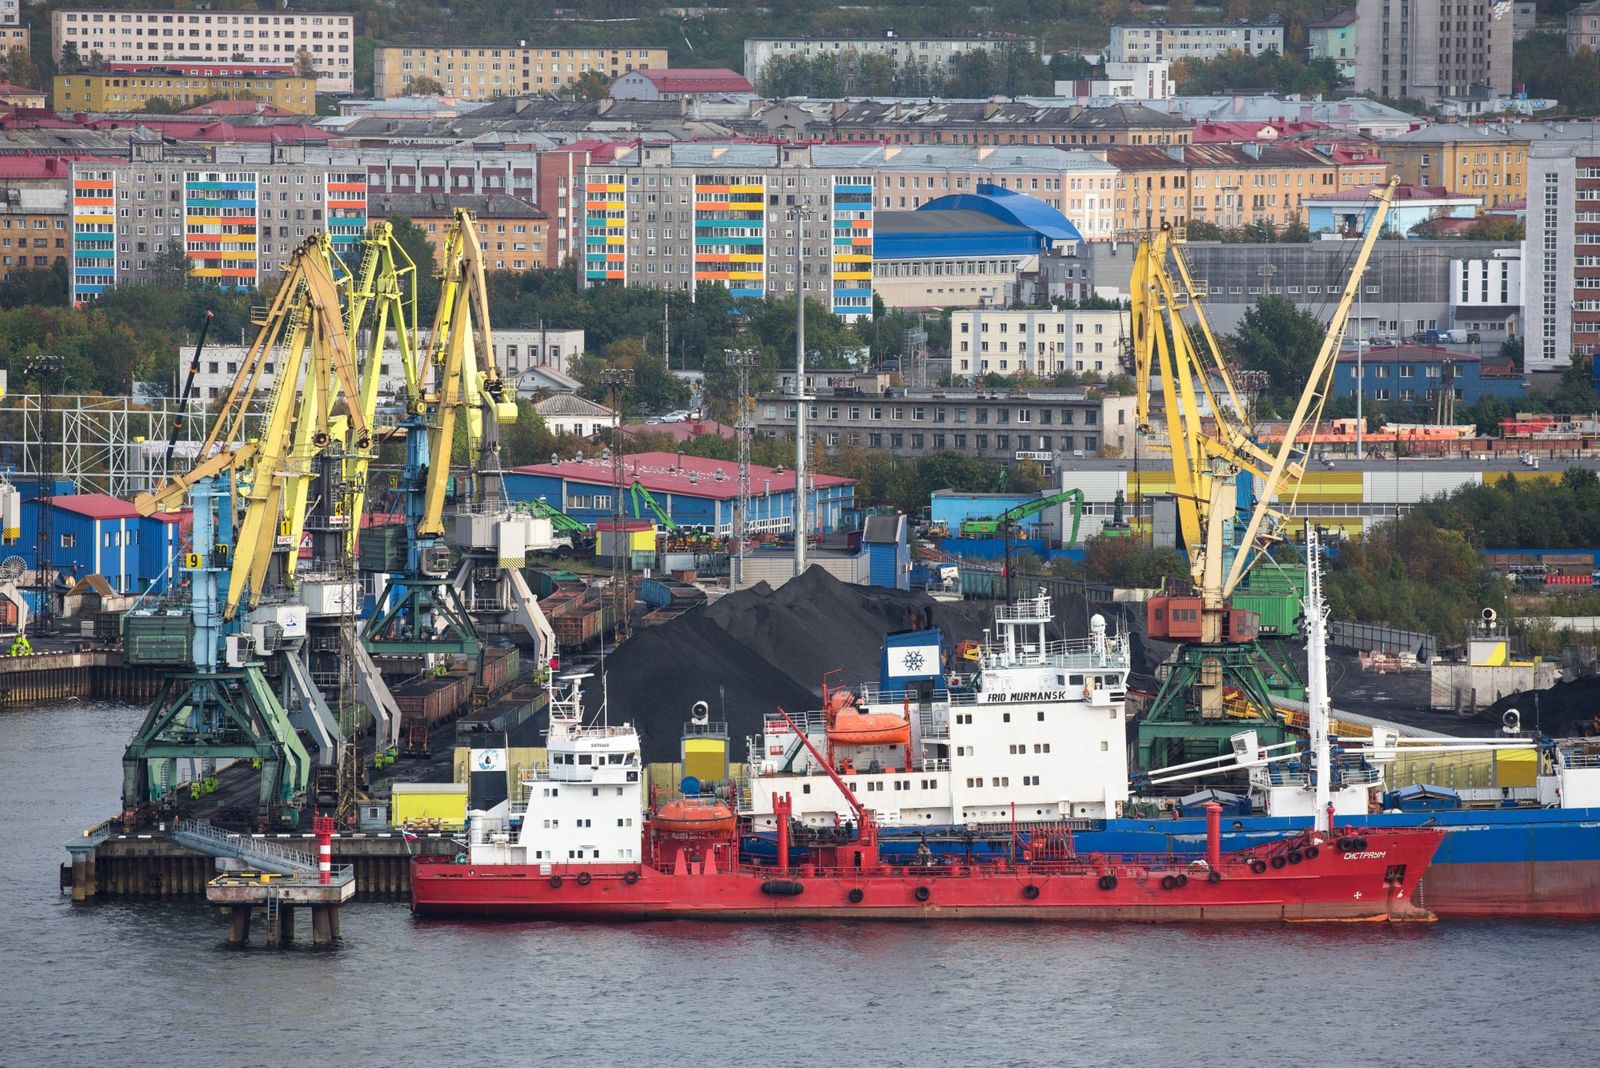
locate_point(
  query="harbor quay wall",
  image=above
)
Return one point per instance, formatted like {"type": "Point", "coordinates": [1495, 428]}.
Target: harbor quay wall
{"type": "Point", "coordinates": [87, 674]}
{"type": "Point", "coordinates": [148, 863]}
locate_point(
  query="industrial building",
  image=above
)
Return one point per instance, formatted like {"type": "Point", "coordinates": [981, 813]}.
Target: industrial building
{"type": "Point", "coordinates": [1413, 374]}
{"type": "Point", "coordinates": [967, 249]}
{"type": "Point", "coordinates": [1049, 427]}
{"type": "Point", "coordinates": [96, 534]}
{"type": "Point", "coordinates": [693, 491]}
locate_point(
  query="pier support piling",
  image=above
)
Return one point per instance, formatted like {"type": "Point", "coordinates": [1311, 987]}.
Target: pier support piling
{"type": "Point", "coordinates": [238, 926]}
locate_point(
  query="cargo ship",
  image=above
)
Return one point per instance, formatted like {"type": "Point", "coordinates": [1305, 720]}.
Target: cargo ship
{"type": "Point", "coordinates": [580, 844]}
{"type": "Point", "coordinates": [1038, 726]}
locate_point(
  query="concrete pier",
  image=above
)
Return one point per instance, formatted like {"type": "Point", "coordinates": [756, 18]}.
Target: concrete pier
{"type": "Point", "coordinates": [280, 898]}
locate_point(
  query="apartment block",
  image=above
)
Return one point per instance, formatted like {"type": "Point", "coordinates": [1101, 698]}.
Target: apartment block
{"type": "Point", "coordinates": [1432, 49]}
{"type": "Point", "coordinates": [1583, 28]}
{"type": "Point", "coordinates": [15, 37]}
{"type": "Point", "coordinates": [237, 224]}
{"type": "Point", "coordinates": [1043, 425]}
{"type": "Point", "coordinates": [1036, 341]}
{"type": "Point", "coordinates": [511, 231]}
{"type": "Point", "coordinates": [113, 90]}
{"type": "Point", "coordinates": [936, 53]}
{"type": "Point", "coordinates": [1193, 40]}
{"type": "Point", "coordinates": [1334, 37]}
{"type": "Point", "coordinates": [133, 36]}
{"type": "Point", "coordinates": [1561, 276]}
{"type": "Point", "coordinates": [1231, 185]}
{"type": "Point", "coordinates": [33, 229]}
{"type": "Point", "coordinates": [1486, 161]}
{"type": "Point", "coordinates": [487, 72]}
{"type": "Point", "coordinates": [674, 215]}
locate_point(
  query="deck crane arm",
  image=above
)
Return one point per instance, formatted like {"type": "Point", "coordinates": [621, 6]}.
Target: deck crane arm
{"type": "Point", "coordinates": [559, 520]}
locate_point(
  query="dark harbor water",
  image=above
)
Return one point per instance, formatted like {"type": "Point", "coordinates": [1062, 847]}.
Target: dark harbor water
{"type": "Point", "coordinates": [147, 984]}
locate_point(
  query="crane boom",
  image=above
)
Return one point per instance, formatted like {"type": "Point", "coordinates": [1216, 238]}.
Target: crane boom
{"type": "Point", "coordinates": [1308, 410]}
{"type": "Point", "coordinates": [638, 495]}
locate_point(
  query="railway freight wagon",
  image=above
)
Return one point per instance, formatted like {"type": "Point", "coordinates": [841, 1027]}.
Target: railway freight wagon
{"type": "Point", "coordinates": [429, 700]}
{"type": "Point", "coordinates": [584, 619]}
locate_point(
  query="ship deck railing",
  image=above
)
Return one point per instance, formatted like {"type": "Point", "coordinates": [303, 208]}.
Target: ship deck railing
{"type": "Point", "coordinates": [1574, 758]}
{"type": "Point", "coordinates": [1077, 654]}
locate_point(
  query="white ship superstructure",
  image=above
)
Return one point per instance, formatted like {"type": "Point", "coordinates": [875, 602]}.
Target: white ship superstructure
{"type": "Point", "coordinates": [583, 804]}
{"type": "Point", "coordinates": [1036, 733]}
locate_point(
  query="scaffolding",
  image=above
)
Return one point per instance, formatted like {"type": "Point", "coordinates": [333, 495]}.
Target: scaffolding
{"type": "Point", "coordinates": [114, 445]}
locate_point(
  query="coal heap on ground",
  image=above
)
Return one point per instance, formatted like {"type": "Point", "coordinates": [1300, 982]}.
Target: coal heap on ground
{"type": "Point", "coordinates": [759, 649]}
{"type": "Point", "coordinates": [1565, 710]}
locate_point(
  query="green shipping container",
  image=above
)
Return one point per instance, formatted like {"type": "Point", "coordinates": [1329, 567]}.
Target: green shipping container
{"type": "Point", "coordinates": [383, 548]}
{"type": "Point", "coordinates": [148, 640]}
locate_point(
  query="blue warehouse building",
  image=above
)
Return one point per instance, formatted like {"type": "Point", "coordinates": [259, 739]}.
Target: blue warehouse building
{"type": "Point", "coordinates": [1411, 374]}
{"type": "Point", "coordinates": [95, 534]}
{"type": "Point", "coordinates": [692, 490]}
{"type": "Point", "coordinates": [967, 249]}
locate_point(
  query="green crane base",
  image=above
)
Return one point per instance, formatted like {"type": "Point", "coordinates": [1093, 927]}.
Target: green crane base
{"type": "Point", "coordinates": [1175, 732]}
{"type": "Point", "coordinates": [227, 714]}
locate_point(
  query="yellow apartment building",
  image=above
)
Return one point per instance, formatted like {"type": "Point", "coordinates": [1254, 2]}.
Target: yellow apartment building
{"type": "Point", "coordinates": [486, 73]}
{"type": "Point", "coordinates": [1482, 161]}
{"type": "Point", "coordinates": [1228, 186]}
{"type": "Point", "coordinates": [92, 90]}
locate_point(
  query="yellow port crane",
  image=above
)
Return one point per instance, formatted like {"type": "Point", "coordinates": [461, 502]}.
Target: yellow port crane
{"type": "Point", "coordinates": [1212, 442]}
{"type": "Point", "coordinates": [459, 386]}
{"type": "Point", "coordinates": [302, 336]}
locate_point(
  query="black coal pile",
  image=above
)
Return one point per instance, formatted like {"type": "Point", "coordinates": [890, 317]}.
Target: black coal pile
{"type": "Point", "coordinates": [761, 648]}
{"type": "Point", "coordinates": [816, 624]}
{"type": "Point", "coordinates": [1565, 710]}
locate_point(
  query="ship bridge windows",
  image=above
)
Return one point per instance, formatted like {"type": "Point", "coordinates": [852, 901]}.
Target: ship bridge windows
{"type": "Point", "coordinates": [964, 717]}
{"type": "Point", "coordinates": [1005, 717]}
{"type": "Point", "coordinates": [1074, 680]}
{"type": "Point", "coordinates": [1030, 780]}
{"type": "Point", "coordinates": [1041, 747]}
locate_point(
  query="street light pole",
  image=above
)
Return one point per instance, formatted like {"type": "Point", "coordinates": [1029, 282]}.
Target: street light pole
{"type": "Point", "coordinates": [800, 215]}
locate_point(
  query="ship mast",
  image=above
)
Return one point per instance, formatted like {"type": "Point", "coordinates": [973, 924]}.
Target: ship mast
{"type": "Point", "coordinates": [1317, 677]}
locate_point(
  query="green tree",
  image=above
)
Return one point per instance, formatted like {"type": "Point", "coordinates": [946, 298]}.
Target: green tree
{"type": "Point", "coordinates": [420, 248]}
{"type": "Point", "coordinates": [41, 286]}
{"type": "Point", "coordinates": [590, 85]}
{"type": "Point", "coordinates": [1574, 394]}
{"type": "Point", "coordinates": [304, 65]}
{"type": "Point", "coordinates": [424, 85]}
{"type": "Point", "coordinates": [171, 267]}
{"type": "Point", "coordinates": [1200, 230]}
{"type": "Point", "coordinates": [1277, 337]}
{"type": "Point", "coordinates": [20, 69]}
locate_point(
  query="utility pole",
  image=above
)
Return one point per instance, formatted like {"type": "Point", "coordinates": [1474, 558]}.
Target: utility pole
{"type": "Point", "coordinates": [617, 380]}
{"type": "Point", "coordinates": [742, 360]}
{"type": "Point", "coordinates": [800, 215]}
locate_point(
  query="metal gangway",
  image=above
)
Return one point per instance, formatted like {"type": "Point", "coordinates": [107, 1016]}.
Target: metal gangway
{"type": "Point", "coordinates": [257, 853]}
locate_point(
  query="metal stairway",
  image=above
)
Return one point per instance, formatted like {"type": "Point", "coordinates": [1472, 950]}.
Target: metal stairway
{"type": "Point", "coordinates": [260, 855]}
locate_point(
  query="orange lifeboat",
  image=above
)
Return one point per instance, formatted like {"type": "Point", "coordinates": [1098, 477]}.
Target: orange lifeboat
{"type": "Point", "coordinates": [869, 728]}
{"type": "Point", "coordinates": [695, 815]}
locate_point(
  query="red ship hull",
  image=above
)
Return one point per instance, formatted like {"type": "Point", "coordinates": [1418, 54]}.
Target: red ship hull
{"type": "Point", "coordinates": [1332, 886]}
